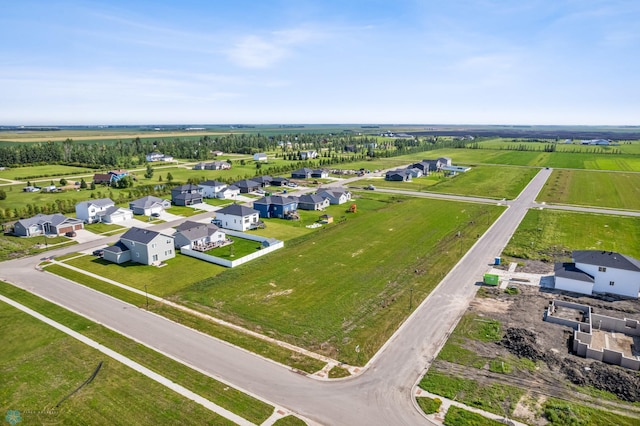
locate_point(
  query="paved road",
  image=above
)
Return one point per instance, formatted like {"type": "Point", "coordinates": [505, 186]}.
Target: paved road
{"type": "Point", "coordinates": [382, 395]}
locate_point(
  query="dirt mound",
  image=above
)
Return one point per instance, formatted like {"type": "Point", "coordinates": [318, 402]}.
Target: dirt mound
{"type": "Point", "coordinates": [623, 383]}
{"type": "Point", "coordinates": [522, 343]}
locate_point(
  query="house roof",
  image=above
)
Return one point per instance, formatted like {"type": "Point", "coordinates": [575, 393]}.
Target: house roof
{"type": "Point", "coordinates": [102, 177]}
{"type": "Point", "coordinates": [279, 179]}
{"type": "Point", "coordinates": [198, 230]}
{"type": "Point", "coordinates": [212, 183]}
{"type": "Point", "coordinates": [117, 248]}
{"type": "Point", "coordinates": [186, 188]}
{"type": "Point", "coordinates": [262, 179]}
{"type": "Point", "coordinates": [569, 270]}
{"type": "Point", "coordinates": [303, 171]}
{"type": "Point", "coordinates": [609, 259]}
{"type": "Point", "coordinates": [100, 202]}
{"type": "Point", "coordinates": [232, 188]}
{"type": "Point", "coordinates": [275, 199]}
{"type": "Point", "coordinates": [237, 210]}
{"type": "Point", "coordinates": [146, 202]}
{"type": "Point", "coordinates": [40, 219]}
{"type": "Point", "coordinates": [139, 235]}
{"type": "Point", "coordinates": [246, 183]}
{"type": "Point", "coordinates": [187, 196]}
{"type": "Point", "coordinates": [311, 199]}
{"type": "Point", "coordinates": [334, 192]}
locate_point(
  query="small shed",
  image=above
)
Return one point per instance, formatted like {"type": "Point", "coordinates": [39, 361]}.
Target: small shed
{"type": "Point", "coordinates": [325, 218]}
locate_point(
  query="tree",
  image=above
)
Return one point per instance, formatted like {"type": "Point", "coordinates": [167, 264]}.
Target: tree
{"type": "Point", "coordinates": [169, 177]}
{"type": "Point", "coordinates": [93, 186]}
{"type": "Point", "coordinates": [149, 173]}
{"type": "Point", "coordinates": [160, 178]}
{"type": "Point", "coordinates": [3, 195]}
{"type": "Point", "coordinates": [83, 184]}
{"type": "Point", "coordinates": [63, 181]}
{"type": "Point", "coordinates": [124, 182]}
{"type": "Point", "coordinates": [242, 162]}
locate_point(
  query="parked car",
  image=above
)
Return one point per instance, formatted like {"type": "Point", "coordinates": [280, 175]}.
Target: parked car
{"type": "Point", "coordinates": [70, 234]}
{"type": "Point", "coordinates": [370, 187]}
{"type": "Point", "coordinates": [155, 214]}
{"type": "Point", "coordinates": [99, 252]}
{"type": "Point", "coordinates": [292, 185]}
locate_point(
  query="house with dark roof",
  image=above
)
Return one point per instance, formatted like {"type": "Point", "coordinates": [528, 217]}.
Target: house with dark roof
{"type": "Point", "coordinates": [335, 195]}
{"type": "Point", "coordinates": [312, 202]}
{"type": "Point", "coordinates": [279, 181]}
{"type": "Point", "coordinates": [424, 166]}
{"type": "Point", "coordinates": [303, 173]}
{"type": "Point", "coordinates": [214, 165]}
{"type": "Point", "coordinates": [399, 175]}
{"type": "Point", "coordinates": [186, 195]}
{"type": "Point", "coordinates": [596, 271]}
{"type": "Point", "coordinates": [199, 236]}
{"type": "Point", "coordinates": [263, 180]}
{"type": "Point", "coordinates": [276, 206]}
{"type": "Point", "coordinates": [247, 185]}
{"type": "Point", "coordinates": [238, 218]}
{"type": "Point", "coordinates": [102, 178]}
{"type": "Point", "coordinates": [149, 205]}
{"type": "Point", "coordinates": [319, 173]}
{"type": "Point", "coordinates": [46, 224]}
{"type": "Point", "coordinates": [141, 246]}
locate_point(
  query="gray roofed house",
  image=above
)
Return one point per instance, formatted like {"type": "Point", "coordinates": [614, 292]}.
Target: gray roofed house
{"type": "Point", "coordinates": [303, 173]}
{"type": "Point", "coordinates": [247, 185]}
{"type": "Point", "coordinates": [400, 175]}
{"type": "Point", "coordinates": [199, 236]}
{"type": "Point", "coordinates": [313, 202]}
{"type": "Point", "coordinates": [609, 259]}
{"type": "Point", "coordinates": [92, 210]}
{"type": "Point", "coordinates": [141, 246]}
{"type": "Point", "coordinates": [46, 224]}
{"type": "Point", "coordinates": [335, 195]}
{"type": "Point", "coordinates": [115, 214]}
{"type": "Point", "coordinates": [149, 205]}
{"type": "Point", "coordinates": [279, 181]}
{"type": "Point", "coordinates": [238, 217]}
{"type": "Point", "coordinates": [262, 180]}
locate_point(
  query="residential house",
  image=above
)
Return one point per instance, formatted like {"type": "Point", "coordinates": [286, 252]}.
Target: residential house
{"type": "Point", "coordinates": [400, 175]}
{"type": "Point", "coordinates": [231, 192]}
{"type": "Point", "coordinates": [199, 236]}
{"type": "Point", "coordinates": [320, 173]}
{"type": "Point", "coordinates": [214, 165]}
{"type": "Point", "coordinates": [308, 155]}
{"type": "Point", "coordinates": [141, 246]}
{"type": "Point", "coordinates": [158, 156]}
{"type": "Point", "coordinates": [424, 166]}
{"type": "Point", "coordinates": [453, 170]}
{"type": "Point", "coordinates": [238, 218]}
{"type": "Point", "coordinates": [246, 185]}
{"type": "Point", "coordinates": [263, 180]}
{"type": "Point", "coordinates": [260, 156]}
{"type": "Point", "coordinates": [217, 153]}
{"type": "Point", "coordinates": [46, 224]}
{"type": "Point", "coordinates": [596, 271]}
{"type": "Point", "coordinates": [91, 211]}
{"type": "Point", "coordinates": [115, 214]}
{"type": "Point", "coordinates": [312, 202]}
{"type": "Point", "coordinates": [211, 188]}
{"type": "Point", "coordinates": [276, 206]}
{"type": "Point", "coordinates": [414, 172]}
{"type": "Point", "coordinates": [304, 173]}
{"type": "Point", "coordinates": [186, 195]}
{"type": "Point", "coordinates": [102, 178]}
{"type": "Point", "coordinates": [335, 195]}
{"type": "Point", "coordinates": [50, 188]}
{"type": "Point", "coordinates": [31, 189]}
{"type": "Point", "coordinates": [149, 205]}
{"type": "Point", "coordinates": [279, 181]}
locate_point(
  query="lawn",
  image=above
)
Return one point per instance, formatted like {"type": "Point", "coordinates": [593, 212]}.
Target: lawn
{"type": "Point", "coordinates": [42, 172]}
{"type": "Point", "coordinates": [104, 228]}
{"type": "Point", "coordinates": [552, 234]}
{"type": "Point", "coordinates": [183, 211]}
{"type": "Point", "coordinates": [348, 284]}
{"type": "Point", "coordinates": [40, 365]}
{"type": "Point", "coordinates": [179, 273]}
{"type": "Point", "coordinates": [483, 181]}
{"type": "Point", "coordinates": [241, 247]}
{"type": "Point", "coordinates": [601, 189]}
{"type": "Point", "coordinates": [13, 247]}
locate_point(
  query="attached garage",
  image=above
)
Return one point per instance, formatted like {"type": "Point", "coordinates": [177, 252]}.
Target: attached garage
{"type": "Point", "coordinates": [570, 278]}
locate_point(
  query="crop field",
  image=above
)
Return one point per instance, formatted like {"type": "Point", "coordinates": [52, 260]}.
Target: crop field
{"type": "Point", "coordinates": [349, 284]}
{"type": "Point", "coordinates": [483, 181]}
{"type": "Point", "coordinates": [40, 365]}
{"type": "Point", "coordinates": [625, 147]}
{"type": "Point", "coordinates": [601, 189]}
{"type": "Point", "coordinates": [591, 161]}
{"type": "Point", "coordinates": [553, 234]}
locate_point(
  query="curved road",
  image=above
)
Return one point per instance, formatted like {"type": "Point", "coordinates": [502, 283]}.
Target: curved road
{"type": "Point", "coordinates": [381, 395]}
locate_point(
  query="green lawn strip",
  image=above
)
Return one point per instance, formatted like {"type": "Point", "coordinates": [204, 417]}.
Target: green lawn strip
{"type": "Point", "coordinates": [14, 247]}
{"type": "Point", "coordinates": [51, 170]}
{"type": "Point", "coordinates": [460, 417]}
{"type": "Point", "coordinates": [217, 392]}
{"type": "Point", "coordinates": [289, 421]}
{"type": "Point", "coordinates": [261, 347]}
{"type": "Point", "coordinates": [494, 398]}
{"type": "Point", "coordinates": [241, 247]}
{"type": "Point", "coordinates": [348, 284]}
{"type": "Point", "coordinates": [612, 190]}
{"type": "Point", "coordinates": [104, 228]}
{"type": "Point", "coordinates": [563, 413]}
{"type": "Point", "coordinates": [183, 211]}
{"type": "Point", "coordinates": [472, 327]}
{"type": "Point", "coordinates": [429, 405]}
{"type": "Point", "coordinates": [39, 366]}
{"type": "Point", "coordinates": [184, 271]}
{"type": "Point", "coordinates": [552, 235]}
{"type": "Point", "coordinates": [68, 256]}
{"type": "Point", "coordinates": [338, 372]}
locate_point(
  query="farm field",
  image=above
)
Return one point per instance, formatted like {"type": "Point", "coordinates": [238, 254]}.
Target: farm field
{"type": "Point", "coordinates": [622, 162]}
{"type": "Point", "coordinates": [44, 172]}
{"type": "Point", "coordinates": [625, 147]}
{"type": "Point", "coordinates": [349, 284]}
{"type": "Point", "coordinates": [551, 235]}
{"type": "Point", "coordinates": [41, 365]}
{"type": "Point", "coordinates": [600, 189]}
{"type": "Point", "coordinates": [483, 181]}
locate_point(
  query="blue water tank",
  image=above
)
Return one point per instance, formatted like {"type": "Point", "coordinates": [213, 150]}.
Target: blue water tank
{"type": "Point", "coordinates": [497, 261]}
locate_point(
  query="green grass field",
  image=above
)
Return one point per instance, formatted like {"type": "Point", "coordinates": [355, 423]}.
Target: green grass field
{"type": "Point", "coordinates": [40, 366]}
{"type": "Point", "coordinates": [51, 170]}
{"type": "Point", "coordinates": [482, 181]}
{"type": "Point", "coordinates": [614, 190]}
{"type": "Point", "coordinates": [625, 147]}
{"type": "Point", "coordinates": [552, 234]}
{"type": "Point", "coordinates": [13, 247]}
{"type": "Point", "coordinates": [349, 284]}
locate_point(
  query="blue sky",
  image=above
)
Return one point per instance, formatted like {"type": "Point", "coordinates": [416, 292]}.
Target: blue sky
{"type": "Point", "coordinates": [457, 62]}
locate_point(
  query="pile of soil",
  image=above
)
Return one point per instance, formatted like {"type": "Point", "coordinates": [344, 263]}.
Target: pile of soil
{"type": "Point", "coordinates": [522, 343]}
{"type": "Point", "coordinates": [625, 384]}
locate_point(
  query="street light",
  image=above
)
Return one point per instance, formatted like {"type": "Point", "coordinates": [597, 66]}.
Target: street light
{"type": "Point", "coordinates": [146, 295]}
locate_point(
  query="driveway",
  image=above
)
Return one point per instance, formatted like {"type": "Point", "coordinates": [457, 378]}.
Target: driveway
{"type": "Point", "coordinates": [130, 223]}
{"type": "Point", "coordinates": [206, 207]}
{"type": "Point", "coordinates": [84, 236]}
